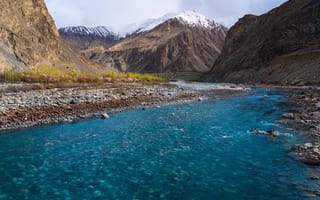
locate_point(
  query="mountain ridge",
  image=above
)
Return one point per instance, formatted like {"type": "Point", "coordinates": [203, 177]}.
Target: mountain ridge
{"type": "Point", "coordinates": [189, 40]}
{"type": "Point", "coordinates": [188, 17]}
{"type": "Point", "coordinates": [279, 47]}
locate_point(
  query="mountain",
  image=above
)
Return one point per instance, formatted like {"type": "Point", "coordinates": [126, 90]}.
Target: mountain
{"type": "Point", "coordinates": [29, 39]}
{"type": "Point", "coordinates": [83, 38]}
{"type": "Point", "coordinates": [184, 42]}
{"type": "Point", "coordinates": [279, 47]}
{"type": "Point", "coordinates": [145, 25]}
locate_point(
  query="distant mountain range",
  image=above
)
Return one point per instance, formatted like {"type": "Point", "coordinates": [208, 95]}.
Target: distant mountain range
{"type": "Point", "coordinates": [186, 41]}
{"type": "Point", "coordinates": [84, 38]}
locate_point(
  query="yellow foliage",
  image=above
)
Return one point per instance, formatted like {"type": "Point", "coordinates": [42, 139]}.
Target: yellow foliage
{"type": "Point", "coordinates": [134, 76]}
{"type": "Point", "coordinates": [48, 74]}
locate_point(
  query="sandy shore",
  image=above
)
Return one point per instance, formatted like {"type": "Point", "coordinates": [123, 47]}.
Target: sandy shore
{"type": "Point", "coordinates": [25, 105]}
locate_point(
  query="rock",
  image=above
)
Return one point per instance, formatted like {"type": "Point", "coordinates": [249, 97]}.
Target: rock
{"type": "Point", "coordinates": [288, 116]}
{"type": "Point", "coordinates": [271, 133]}
{"type": "Point", "coordinates": [74, 101]}
{"type": "Point", "coordinates": [314, 178]}
{"type": "Point", "coordinates": [318, 105]}
{"type": "Point", "coordinates": [105, 116]}
{"type": "Point", "coordinates": [200, 99]}
{"type": "Point", "coordinates": [311, 160]}
{"type": "Point", "coordinates": [308, 145]}
{"type": "Point", "coordinates": [309, 153]}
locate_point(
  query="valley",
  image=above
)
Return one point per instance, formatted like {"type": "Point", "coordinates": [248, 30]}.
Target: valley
{"type": "Point", "coordinates": [161, 101]}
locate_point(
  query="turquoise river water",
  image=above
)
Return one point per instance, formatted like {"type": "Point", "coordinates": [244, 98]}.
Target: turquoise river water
{"type": "Point", "coordinates": [196, 151]}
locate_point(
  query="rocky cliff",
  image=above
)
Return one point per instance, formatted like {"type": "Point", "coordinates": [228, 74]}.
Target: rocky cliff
{"type": "Point", "coordinates": [30, 39]}
{"type": "Point", "coordinates": [279, 47]}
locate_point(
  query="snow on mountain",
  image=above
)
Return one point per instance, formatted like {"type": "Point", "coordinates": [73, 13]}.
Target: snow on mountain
{"type": "Point", "coordinates": [99, 31]}
{"type": "Point", "coordinates": [196, 19]}
{"type": "Point", "coordinates": [191, 18]}
{"type": "Point", "coordinates": [145, 25]}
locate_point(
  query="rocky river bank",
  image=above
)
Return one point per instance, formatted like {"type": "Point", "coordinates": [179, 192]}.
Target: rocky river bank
{"type": "Point", "coordinates": [24, 105]}
{"type": "Point", "coordinates": [305, 117]}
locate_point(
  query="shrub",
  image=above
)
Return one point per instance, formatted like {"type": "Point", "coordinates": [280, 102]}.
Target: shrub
{"type": "Point", "coordinates": [47, 74]}
{"type": "Point", "coordinates": [11, 76]}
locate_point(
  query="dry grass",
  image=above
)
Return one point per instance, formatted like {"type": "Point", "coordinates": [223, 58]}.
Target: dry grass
{"type": "Point", "coordinates": [47, 74]}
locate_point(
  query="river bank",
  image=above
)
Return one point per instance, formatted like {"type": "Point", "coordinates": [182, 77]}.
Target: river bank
{"type": "Point", "coordinates": [304, 117]}
{"type": "Point", "coordinates": [25, 105]}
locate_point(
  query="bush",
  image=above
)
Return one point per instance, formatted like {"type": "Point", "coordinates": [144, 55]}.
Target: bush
{"type": "Point", "coordinates": [10, 76]}
{"type": "Point", "coordinates": [134, 76]}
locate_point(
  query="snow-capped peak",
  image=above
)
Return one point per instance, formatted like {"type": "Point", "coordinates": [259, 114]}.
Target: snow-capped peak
{"type": "Point", "coordinates": [100, 31]}
{"type": "Point", "coordinates": [145, 25]}
{"type": "Point", "coordinates": [196, 19]}
{"type": "Point", "coordinates": [191, 18]}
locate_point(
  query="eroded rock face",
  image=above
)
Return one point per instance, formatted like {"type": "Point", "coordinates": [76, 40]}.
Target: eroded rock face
{"type": "Point", "coordinates": [29, 38]}
{"type": "Point", "coordinates": [279, 47]}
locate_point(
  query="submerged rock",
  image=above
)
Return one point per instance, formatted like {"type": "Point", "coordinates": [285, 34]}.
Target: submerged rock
{"type": "Point", "coordinates": [271, 133]}
{"type": "Point", "coordinates": [309, 153]}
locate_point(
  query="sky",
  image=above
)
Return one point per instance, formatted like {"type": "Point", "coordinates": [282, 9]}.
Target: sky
{"type": "Point", "coordinates": [119, 13]}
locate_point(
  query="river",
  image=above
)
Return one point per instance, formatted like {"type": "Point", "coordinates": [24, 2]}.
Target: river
{"type": "Point", "coordinates": [202, 150]}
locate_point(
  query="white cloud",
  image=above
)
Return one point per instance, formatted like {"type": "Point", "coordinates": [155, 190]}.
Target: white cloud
{"type": "Point", "coordinates": [229, 11]}
{"type": "Point", "coordinates": [108, 12]}
{"type": "Point", "coordinates": [118, 13]}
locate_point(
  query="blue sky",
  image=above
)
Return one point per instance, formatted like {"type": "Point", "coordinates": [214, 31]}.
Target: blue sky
{"type": "Point", "coordinates": [119, 13]}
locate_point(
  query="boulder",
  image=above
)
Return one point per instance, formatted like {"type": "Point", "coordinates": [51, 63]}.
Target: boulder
{"type": "Point", "coordinates": [309, 153]}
